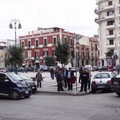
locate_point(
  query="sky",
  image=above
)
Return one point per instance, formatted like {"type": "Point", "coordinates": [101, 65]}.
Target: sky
{"type": "Point", "coordinates": [72, 15]}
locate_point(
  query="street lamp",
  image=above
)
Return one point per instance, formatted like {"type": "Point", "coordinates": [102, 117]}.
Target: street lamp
{"type": "Point", "coordinates": [16, 26]}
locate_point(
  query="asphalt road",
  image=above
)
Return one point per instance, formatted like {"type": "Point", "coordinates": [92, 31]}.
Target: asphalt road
{"type": "Point", "coordinates": [102, 106]}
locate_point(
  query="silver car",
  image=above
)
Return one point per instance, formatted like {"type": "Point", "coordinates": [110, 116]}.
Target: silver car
{"type": "Point", "coordinates": [102, 81]}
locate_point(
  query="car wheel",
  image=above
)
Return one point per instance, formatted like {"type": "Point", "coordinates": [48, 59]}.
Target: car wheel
{"type": "Point", "coordinates": [14, 95]}
{"type": "Point", "coordinates": [118, 93]}
{"type": "Point", "coordinates": [28, 96]}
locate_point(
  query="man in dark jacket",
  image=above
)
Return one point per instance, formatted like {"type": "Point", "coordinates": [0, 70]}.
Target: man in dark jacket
{"type": "Point", "coordinates": [84, 77]}
{"type": "Point", "coordinates": [59, 77]}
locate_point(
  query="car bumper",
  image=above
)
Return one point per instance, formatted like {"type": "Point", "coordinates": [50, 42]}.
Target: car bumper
{"type": "Point", "coordinates": [101, 86]}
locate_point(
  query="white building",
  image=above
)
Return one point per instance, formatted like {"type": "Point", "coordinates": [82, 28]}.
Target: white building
{"type": "Point", "coordinates": [108, 12]}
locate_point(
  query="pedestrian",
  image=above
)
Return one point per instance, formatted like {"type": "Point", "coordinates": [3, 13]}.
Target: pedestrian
{"type": "Point", "coordinates": [39, 79]}
{"type": "Point", "coordinates": [52, 72]}
{"type": "Point", "coordinates": [89, 80]}
{"type": "Point", "coordinates": [118, 69]}
{"type": "Point", "coordinates": [80, 71]}
{"type": "Point", "coordinates": [65, 73]}
{"type": "Point", "coordinates": [59, 78]}
{"type": "Point", "coordinates": [84, 77]}
{"type": "Point", "coordinates": [70, 74]}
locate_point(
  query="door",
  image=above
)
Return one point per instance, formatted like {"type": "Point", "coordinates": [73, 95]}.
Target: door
{"type": "Point", "coordinates": [4, 84]}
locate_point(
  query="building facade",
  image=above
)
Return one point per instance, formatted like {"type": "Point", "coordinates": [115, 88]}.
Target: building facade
{"type": "Point", "coordinates": [108, 12]}
{"type": "Point", "coordinates": [42, 43]}
{"type": "Point", "coordinates": [88, 51]}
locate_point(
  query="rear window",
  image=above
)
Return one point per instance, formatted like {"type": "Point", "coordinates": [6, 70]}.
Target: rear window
{"type": "Point", "coordinates": [102, 75]}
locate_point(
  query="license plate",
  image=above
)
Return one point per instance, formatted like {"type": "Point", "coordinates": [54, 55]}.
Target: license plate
{"type": "Point", "coordinates": [115, 83]}
{"type": "Point", "coordinates": [101, 86]}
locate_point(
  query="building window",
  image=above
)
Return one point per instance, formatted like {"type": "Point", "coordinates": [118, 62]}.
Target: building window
{"type": "Point", "coordinates": [29, 53]}
{"type": "Point", "coordinates": [45, 53]}
{"type": "Point", "coordinates": [110, 13]}
{"type": "Point", "coordinates": [111, 42]}
{"type": "Point", "coordinates": [110, 32]}
{"type": "Point", "coordinates": [54, 40]}
{"type": "Point", "coordinates": [45, 41]}
{"type": "Point", "coordinates": [65, 40]}
{"type": "Point", "coordinates": [71, 42]}
{"type": "Point", "coordinates": [29, 43]}
{"type": "Point", "coordinates": [109, 3]}
{"type": "Point", "coordinates": [110, 22]}
{"type": "Point", "coordinates": [36, 42]}
{"type": "Point", "coordinates": [22, 44]}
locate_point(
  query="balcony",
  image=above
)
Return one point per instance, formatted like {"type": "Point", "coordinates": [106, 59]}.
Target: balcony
{"type": "Point", "coordinates": [99, 1]}
{"type": "Point", "coordinates": [112, 36]}
{"type": "Point", "coordinates": [110, 26]}
{"type": "Point", "coordinates": [98, 10]}
{"type": "Point", "coordinates": [99, 20]}
{"type": "Point", "coordinates": [111, 46]}
{"type": "Point", "coordinates": [110, 17]}
{"type": "Point", "coordinates": [104, 8]}
{"type": "Point", "coordinates": [109, 7]}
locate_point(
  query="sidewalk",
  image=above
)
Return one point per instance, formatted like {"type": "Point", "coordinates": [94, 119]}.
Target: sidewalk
{"type": "Point", "coordinates": [49, 86]}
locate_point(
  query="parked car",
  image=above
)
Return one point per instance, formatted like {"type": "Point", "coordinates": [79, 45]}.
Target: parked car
{"type": "Point", "coordinates": [102, 81]}
{"type": "Point", "coordinates": [30, 82]}
{"type": "Point", "coordinates": [12, 86]}
{"type": "Point", "coordinates": [115, 85]}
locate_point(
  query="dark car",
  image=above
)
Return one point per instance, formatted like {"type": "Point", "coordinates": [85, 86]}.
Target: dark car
{"type": "Point", "coordinates": [12, 86]}
{"type": "Point", "coordinates": [30, 82]}
{"type": "Point", "coordinates": [115, 85]}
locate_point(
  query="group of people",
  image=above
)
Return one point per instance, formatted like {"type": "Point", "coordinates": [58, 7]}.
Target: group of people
{"type": "Point", "coordinates": [66, 77]}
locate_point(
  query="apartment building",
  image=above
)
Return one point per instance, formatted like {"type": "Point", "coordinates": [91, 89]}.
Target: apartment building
{"type": "Point", "coordinates": [108, 12]}
{"type": "Point", "coordinates": [88, 50]}
{"type": "Point", "coordinates": [42, 43]}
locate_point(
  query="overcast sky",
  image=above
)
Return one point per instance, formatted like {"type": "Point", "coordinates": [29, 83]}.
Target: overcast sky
{"type": "Point", "coordinates": [72, 15]}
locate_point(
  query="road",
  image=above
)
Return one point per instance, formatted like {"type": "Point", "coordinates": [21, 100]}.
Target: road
{"type": "Point", "coordinates": [103, 106]}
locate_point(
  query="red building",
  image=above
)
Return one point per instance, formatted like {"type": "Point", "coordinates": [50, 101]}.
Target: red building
{"type": "Point", "coordinates": [42, 43]}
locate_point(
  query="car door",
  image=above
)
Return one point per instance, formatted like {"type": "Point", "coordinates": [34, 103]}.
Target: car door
{"type": "Point", "coordinates": [4, 85]}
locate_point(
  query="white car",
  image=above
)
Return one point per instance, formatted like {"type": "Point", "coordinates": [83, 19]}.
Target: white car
{"type": "Point", "coordinates": [102, 80]}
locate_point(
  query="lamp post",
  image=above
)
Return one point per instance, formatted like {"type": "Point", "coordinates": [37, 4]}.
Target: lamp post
{"type": "Point", "coordinates": [16, 26]}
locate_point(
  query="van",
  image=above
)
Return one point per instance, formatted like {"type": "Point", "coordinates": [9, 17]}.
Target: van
{"type": "Point", "coordinates": [12, 86]}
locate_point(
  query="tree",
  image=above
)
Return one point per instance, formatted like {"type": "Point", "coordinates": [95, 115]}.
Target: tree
{"type": "Point", "coordinates": [15, 56]}
{"type": "Point", "coordinates": [49, 61]}
{"type": "Point", "coordinates": [61, 52]}
{"type": "Point", "coordinates": [109, 54]}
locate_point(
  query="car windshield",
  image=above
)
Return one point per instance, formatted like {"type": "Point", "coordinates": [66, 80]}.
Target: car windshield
{"type": "Point", "coordinates": [102, 75]}
{"type": "Point", "coordinates": [14, 77]}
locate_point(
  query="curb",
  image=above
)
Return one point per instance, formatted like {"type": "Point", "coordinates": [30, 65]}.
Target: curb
{"type": "Point", "coordinates": [62, 93]}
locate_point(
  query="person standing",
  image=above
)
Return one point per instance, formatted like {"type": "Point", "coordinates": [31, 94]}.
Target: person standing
{"type": "Point", "coordinates": [39, 79]}
{"type": "Point", "coordinates": [52, 72]}
{"type": "Point", "coordinates": [65, 73]}
{"type": "Point", "coordinates": [84, 77]}
{"type": "Point", "coordinates": [59, 78]}
{"type": "Point", "coordinates": [70, 74]}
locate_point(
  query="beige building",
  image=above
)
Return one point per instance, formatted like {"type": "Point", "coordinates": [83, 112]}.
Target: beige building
{"type": "Point", "coordinates": [2, 54]}
{"type": "Point", "coordinates": [88, 51]}
{"type": "Point", "coordinates": [108, 19]}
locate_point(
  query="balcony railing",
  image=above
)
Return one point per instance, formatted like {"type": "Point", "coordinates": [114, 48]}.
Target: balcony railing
{"type": "Point", "coordinates": [110, 36]}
